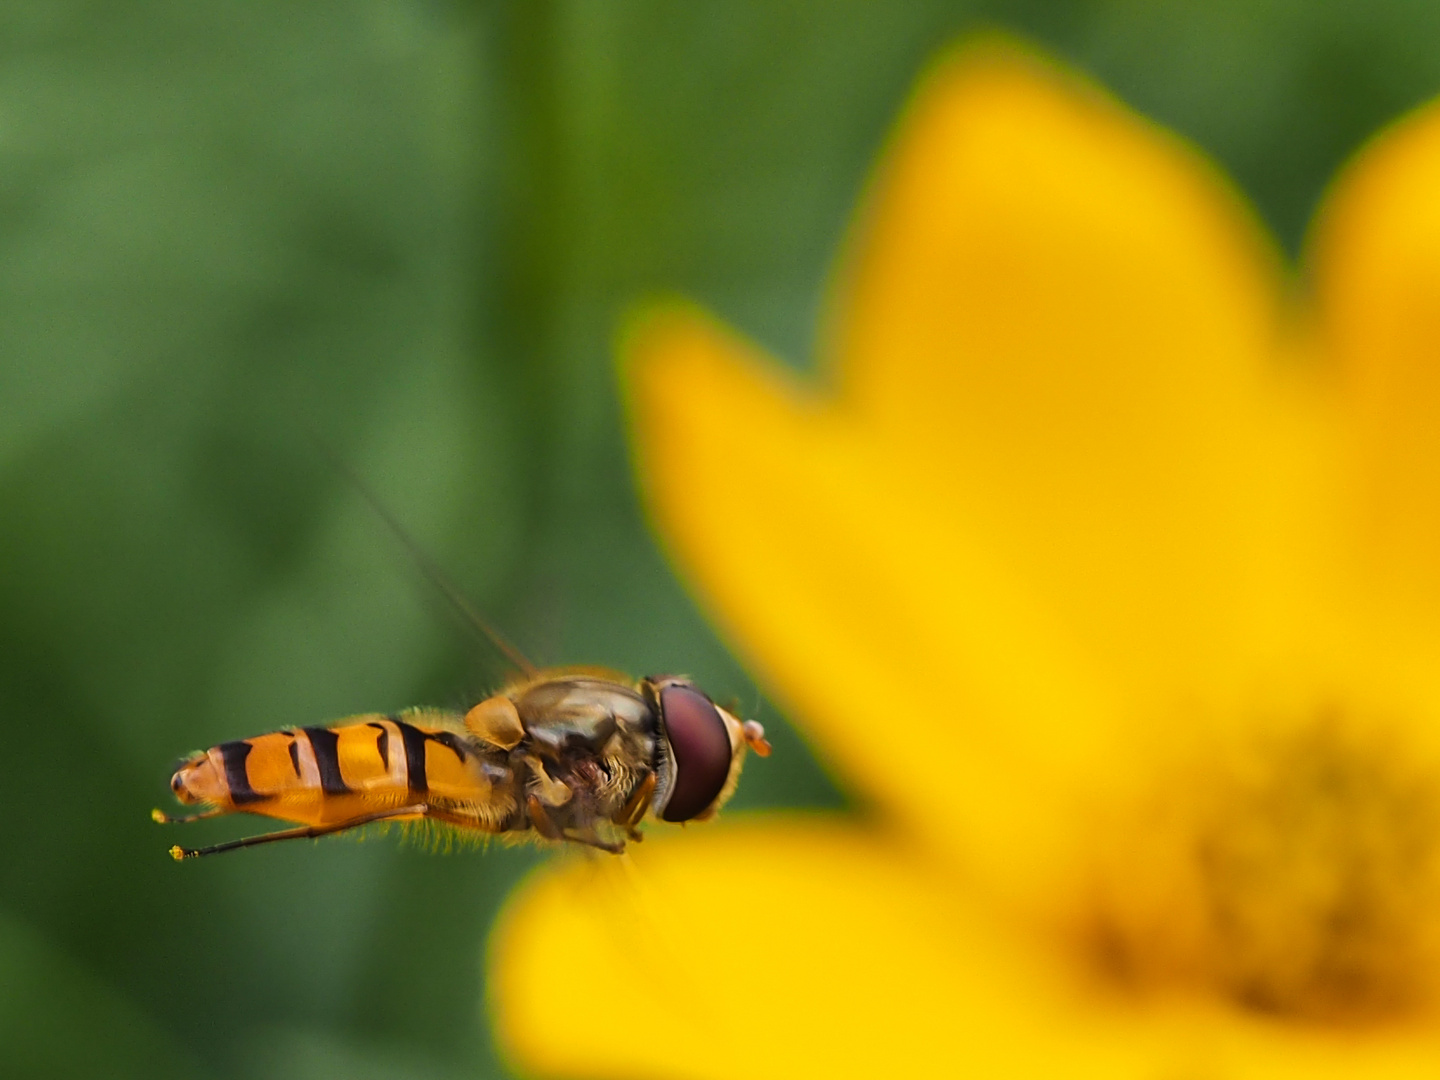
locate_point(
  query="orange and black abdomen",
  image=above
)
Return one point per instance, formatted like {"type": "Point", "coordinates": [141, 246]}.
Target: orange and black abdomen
{"type": "Point", "coordinates": [366, 765]}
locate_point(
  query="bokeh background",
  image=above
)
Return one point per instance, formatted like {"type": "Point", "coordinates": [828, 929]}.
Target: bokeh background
{"type": "Point", "coordinates": [230, 232]}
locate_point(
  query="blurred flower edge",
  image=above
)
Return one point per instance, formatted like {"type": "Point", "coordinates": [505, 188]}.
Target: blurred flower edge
{"type": "Point", "coordinates": [1103, 568]}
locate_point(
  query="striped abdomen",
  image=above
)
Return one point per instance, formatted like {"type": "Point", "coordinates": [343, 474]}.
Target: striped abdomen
{"type": "Point", "coordinates": [325, 775]}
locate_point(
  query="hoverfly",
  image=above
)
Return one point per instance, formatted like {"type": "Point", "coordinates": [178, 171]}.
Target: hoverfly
{"type": "Point", "coordinates": [564, 754]}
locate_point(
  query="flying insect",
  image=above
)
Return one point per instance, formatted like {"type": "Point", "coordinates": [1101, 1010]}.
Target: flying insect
{"type": "Point", "coordinates": [569, 754]}
{"type": "Point", "coordinates": [579, 755]}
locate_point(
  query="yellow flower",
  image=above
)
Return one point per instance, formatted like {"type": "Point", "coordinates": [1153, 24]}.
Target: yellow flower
{"type": "Point", "coordinates": [1106, 569]}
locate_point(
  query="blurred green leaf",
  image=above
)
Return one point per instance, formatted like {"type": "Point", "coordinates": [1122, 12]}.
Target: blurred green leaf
{"type": "Point", "coordinates": [290, 1054]}
{"type": "Point", "coordinates": [46, 999]}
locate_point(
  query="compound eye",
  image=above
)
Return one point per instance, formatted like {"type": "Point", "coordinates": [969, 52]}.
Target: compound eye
{"type": "Point", "coordinates": [701, 746]}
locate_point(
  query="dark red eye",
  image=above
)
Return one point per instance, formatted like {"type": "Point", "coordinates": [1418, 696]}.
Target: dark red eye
{"type": "Point", "coordinates": [702, 751]}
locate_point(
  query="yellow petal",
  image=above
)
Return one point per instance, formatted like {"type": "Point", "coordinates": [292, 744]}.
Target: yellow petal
{"type": "Point", "coordinates": [810, 949]}
{"type": "Point", "coordinates": [1376, 256]}
{"type": "Point", "coordinates": [936, 683]}
{"type": "Point", "coordinates": [932, 675]}
{"type": "Point", "coordinates": [1071, 322]}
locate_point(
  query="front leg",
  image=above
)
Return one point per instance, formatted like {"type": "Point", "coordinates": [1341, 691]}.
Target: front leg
{"type": "Point", "coordinates": [549, 828]}
{"type": "Point", "coordinates": [541, 820]}
{"type": "Point", "coordinates": [631, 814]}
{"type": "Point", "coordinates": [591, 838]}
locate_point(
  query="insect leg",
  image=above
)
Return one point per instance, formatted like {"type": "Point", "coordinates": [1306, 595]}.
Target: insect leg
{"type": "Point", "coordinates": [552, 792]}
{"type": "Point", "coordinates": [540, 818]}
{"type": "Point", "coordinates": [303, 832]}
{"type": "Point", "coordinates": [629, 815]}
{"type": "Point", "coordinates": [461, 821]}
{"type": "Point", "coordinates": [162, 818]}
{"type": "Point", "coordinates": [545, 825]}
{"type": "Point", "coordinates": [590, 838]}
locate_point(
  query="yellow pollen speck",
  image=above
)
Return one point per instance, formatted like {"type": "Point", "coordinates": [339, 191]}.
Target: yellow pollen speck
{"type": "Point", "coordinates": [1298, 877]}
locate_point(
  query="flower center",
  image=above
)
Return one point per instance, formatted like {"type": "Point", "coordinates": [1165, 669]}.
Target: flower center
{"type": "Point", "coordinates": [1298, 876]}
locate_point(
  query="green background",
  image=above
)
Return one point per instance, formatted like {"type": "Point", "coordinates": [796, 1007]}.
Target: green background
{"type": "Point", "coordinates": [408, 229]}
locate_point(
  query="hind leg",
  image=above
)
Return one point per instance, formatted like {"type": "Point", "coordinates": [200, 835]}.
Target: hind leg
{"type": "Point", "coordinates": [304, 832]}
